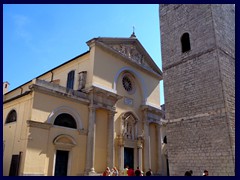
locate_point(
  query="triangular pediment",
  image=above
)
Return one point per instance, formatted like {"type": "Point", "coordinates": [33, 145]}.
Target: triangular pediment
{"type": "Point", "coordinates": [130, 49]}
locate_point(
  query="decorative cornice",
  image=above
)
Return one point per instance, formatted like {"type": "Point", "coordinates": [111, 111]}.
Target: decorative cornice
{"type": "Point", "coordinates": [95, 85]}
{"type": "Point", "coordinates": [83, 131]}
{"type": "Point", "coordinates": [101, 98]}
{"type": "Point", "coordinates": [164, 122]}
{"type": "Point", "coordinates": [64, 141]}
{"type": "Point", "coordinates": [152, 109]}
{"type": "Point", "coordinates": [107, 44]}
{"type": "Point", "coordinates": [152, 114]}
{"type": "Point", "coordinates": [16, 97]}
{"type": "Point", "coordinates": [131, 61]}
{"type": "Point", "coordinates": [59, 91]}
{"type": "Point", "coordinates": [39, 124]}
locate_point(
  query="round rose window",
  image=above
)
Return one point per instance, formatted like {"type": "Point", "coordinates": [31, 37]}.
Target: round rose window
{"type": "Point", "coordinates": [127, 84]}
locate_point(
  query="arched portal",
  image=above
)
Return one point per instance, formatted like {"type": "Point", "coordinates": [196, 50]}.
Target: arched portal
{"type": "Point", "coordinates": [129, 146]}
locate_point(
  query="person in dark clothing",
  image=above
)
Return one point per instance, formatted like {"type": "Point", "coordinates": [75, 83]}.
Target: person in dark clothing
{"type": "Point", "coordinates": [137, 172]}
{"type": "Point", "coordinates": [149, 172]}
{"type": "Point", "coordinates": [188, 173]}
{"type": "Point", "coordinates": [205, 173]}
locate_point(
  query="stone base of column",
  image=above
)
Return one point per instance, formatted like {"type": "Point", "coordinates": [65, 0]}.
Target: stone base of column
{"type": "Point", "coordinates": [91, 173]}
{"type": "Point", "coordinates": [158, 174]}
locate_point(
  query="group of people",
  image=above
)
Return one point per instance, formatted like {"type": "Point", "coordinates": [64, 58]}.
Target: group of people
{"type": "Point", "coordinates": [126, 172]}
{"type": "Point", "coordinates": [113, 172]}
{"type": "Point", "coordinates": [190, 173]}
{"type": "Point", "coordinates": [130, 172]}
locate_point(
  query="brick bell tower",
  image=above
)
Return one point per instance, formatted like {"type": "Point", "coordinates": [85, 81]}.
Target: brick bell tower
{"type": "Point", "coordinates": [198, 56]}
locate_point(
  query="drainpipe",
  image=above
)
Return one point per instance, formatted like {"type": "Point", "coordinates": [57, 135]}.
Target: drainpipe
{"type": "Point", "coordinates": [21, 90]}
{"type": "Point", "coordinates": [51, 77]}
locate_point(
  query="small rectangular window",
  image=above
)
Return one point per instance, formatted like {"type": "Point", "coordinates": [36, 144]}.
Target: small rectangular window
{"type": "Point", "coordinates": [70, 80]}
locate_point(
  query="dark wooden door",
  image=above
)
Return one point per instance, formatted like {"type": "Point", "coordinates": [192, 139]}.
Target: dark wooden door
{"type": "Point", "coordinates": [14, 167]}
{"type": "Point", "coordinates": [61, 165]}
{"type": "Point", "coordinates": [129, 157]}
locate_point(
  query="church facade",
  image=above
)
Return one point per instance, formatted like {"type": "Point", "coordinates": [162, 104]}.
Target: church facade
{"type": "Point", "coordinates": [99, 109]}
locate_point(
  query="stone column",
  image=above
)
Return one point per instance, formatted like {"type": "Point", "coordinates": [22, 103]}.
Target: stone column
{"type": "Point", "coordinates": [159, 145]}
{"type": "Point", "coordinates": [147, 158]}
{"type": "Point", "coordinates": [110, 146]}
{"type": "Point", "coordinates": [89, 168]}
{"type": "Point", "coordinates": [120, 153]}
{"type": "Point", "coordinates": [139, 148]}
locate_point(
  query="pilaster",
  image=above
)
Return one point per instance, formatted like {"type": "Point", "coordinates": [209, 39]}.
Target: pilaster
{"type": "Point", "coordinates": [147, 157]}
{"type": "Point", "coordinates": [139, 149]}
{"type": "Point", "coordinates": [89, 168]}
{"type": "Point", "coordinates": [159, 145]}
{"type": "Point", "coordinates": [120, 152]}
{"type": "Point", "coordinates": [110, 146]}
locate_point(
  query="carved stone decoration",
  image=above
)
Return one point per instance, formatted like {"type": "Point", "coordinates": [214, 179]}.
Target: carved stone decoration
{"type": "Point", "coordinates": [120, 140]}
{"type": "Point", "coordinates": [131, 52]}
{"type": "Point", "coordinates": [141, 136]}
{"type": "Point", "coordinates": [64, 142]}
{"type": "Point", "coordinates": [129, 126]}
{"type": "Point", "coordinates": [140, 143]}
{"type": "Point", "coordinates": [82, 80]}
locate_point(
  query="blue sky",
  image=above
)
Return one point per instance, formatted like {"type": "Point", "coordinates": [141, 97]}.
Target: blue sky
{"type": "Point", "coordinates": [39, 37]}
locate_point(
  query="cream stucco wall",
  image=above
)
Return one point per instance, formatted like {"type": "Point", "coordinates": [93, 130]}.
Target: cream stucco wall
{"type": "Point", "coordinates": [107, 67]}
{"type": "Point", "coordinates": [41, 150]}
{"type": "Point", "coordinates": [82, 63]}
{"type": "Point", "coordinates": [18, 91]}
{"type": "Point", "coordinates": [101, 140]}
{"type": "Point", "coordinates": [36, 152]}
{"type": "Point", "coordinates": [15, 133]}
{"type": "Point", "coordinates": [44, 105]}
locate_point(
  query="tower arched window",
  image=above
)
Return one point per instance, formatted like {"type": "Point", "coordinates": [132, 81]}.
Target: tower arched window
{"type": "Point", "coordinates": [165, 139]}
{"type": "Point", "coordinates": [12, 116]}
{"type": "Point", "coordinates": [65, 120]}
{"type": "Point", "coordinates": [70, 79]}
{"type": "Point", "coordinates": [185, 41]}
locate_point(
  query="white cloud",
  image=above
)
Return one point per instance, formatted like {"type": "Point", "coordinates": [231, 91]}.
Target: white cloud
{"type": "Point", "coordinates": [21, 24]}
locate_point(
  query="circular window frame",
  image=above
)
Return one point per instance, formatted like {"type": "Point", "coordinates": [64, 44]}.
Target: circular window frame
{"type": "Point", "coordinates": [131, 79]}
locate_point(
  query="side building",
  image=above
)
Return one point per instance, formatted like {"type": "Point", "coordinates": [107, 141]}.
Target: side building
{"type": "Point", "coordinates": [198, 54]}
{"type": "Point", "coordinates": [99, 109]}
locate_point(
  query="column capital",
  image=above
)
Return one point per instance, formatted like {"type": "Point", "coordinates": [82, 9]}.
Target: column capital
{"type": "Point", "coordinates": [112, 112]}
{"type": "Point", "coordinates": [120, 141]}
{"type": "Point", "coordinates": [159, 125]}
{"type": "Point", "coordinates": [139, 143]}
{"type": "Point", "coordinates": [92, 107]}
{"type": "Point", "coordinates": [146, 122]}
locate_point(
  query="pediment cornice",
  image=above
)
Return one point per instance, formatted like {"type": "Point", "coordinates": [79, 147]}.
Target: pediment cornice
{"type": "Point", "coordinates": [131, 51]}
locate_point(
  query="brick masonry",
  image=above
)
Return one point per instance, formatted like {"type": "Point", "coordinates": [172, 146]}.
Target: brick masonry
{"type": "Point", "coordinates": [199, 87]}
